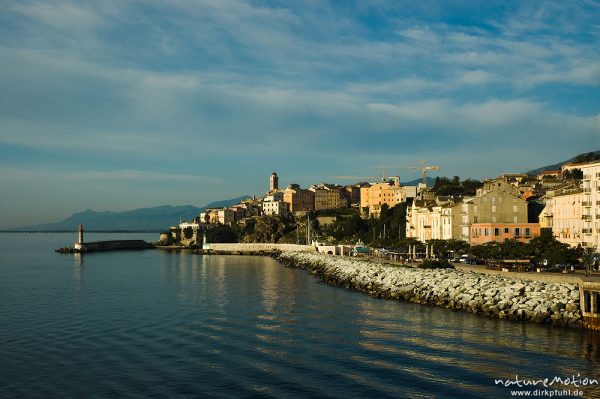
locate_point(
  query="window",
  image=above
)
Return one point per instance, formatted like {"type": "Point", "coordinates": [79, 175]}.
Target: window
{"type": "Point", "coordinates": [515, 219]}
{"type": "Point", "coordinates": [506, 230]}
{"type": "Point", "coordinates": [493, 219]}
{"type": "Point", "coordinates": [515, 208]}
{"type": "Point", "coordinates": [527, 232]}
{"type": "Point", "coordinates": [496, 231]}
{"type": "Point", "coordinates": [487, 231]}
{"type": "Point", "coordinates": [493, 208]}
{"type": "Point", "coordinates": [517, 232]}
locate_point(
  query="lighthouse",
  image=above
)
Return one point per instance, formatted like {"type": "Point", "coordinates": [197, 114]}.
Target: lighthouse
{"type": "Point", "coordinates": [79, 243]}
{"type": "Point", "coordinates": [80, 234]}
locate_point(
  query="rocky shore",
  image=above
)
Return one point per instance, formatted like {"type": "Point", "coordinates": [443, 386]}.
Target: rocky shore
{"type": "Point", "coordinates": [492, 296]}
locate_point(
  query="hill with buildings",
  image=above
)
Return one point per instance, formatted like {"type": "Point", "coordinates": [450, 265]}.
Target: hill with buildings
{"type": "Point", "coordinates": [581, 158]}
{"type": "Point", "coordinates": [142, 219]}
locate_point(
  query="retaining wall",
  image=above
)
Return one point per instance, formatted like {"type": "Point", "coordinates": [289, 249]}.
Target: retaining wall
{"type": "Point", "coordinates": [258, 247]}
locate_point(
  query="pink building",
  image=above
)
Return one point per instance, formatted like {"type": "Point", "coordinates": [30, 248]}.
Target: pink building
{"type": "Point", "coordinates": [482, 233]}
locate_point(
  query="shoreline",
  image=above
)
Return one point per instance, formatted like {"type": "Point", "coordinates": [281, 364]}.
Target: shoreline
{"type": "Point", "coordinates": [494, 296]}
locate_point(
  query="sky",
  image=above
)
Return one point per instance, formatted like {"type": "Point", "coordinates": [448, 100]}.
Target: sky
{"type": "Point", "coordinates": [116, 105]}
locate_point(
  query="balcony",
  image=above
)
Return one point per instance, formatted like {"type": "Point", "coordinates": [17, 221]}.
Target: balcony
{"type": "Point", "coordinates": [587, 203]}
{"type": "Point", "coordinates": [586, 217]}
{"type": "Point", "coordinates": [586, 231]}
{"type": "Point", "coordinates": [587, 190]}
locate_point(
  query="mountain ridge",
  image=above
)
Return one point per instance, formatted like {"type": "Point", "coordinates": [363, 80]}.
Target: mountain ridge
{"type": "Point", "coordinates": [156, 218]}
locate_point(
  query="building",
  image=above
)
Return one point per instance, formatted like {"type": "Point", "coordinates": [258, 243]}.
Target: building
{"type": "Point", "coordinates": [274, 208]}
{"type": "Point", "coordinates": [352, 193]}
{"type": "Point", "coordinates": [273, 182]}
{"type": "Point", "coordinates": [218, 216]}
{"type": "Point", "coordinates": [373, 197]}
{"type": "Point", "coordinates": [431, 220]}
{"type": "Point", "coordinates": [482, 233]}
{"type": "Point", "coordinates": [591, 205]}
{"type": "Point", "coordinates": [299, 200]}
{"type": "Point", "coordinates": [493, 209]}
{"type": "Point", "coordinates": [567, 222]}
{"type": "Point", "coordinates": [328, 196]}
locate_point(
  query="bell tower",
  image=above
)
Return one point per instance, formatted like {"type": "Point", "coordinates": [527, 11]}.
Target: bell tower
{"type": "Point", "coordinates": [273, 182]}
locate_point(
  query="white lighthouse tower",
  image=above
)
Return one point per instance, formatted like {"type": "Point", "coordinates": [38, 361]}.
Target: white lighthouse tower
{"type": "Point", "coordinates": [79, 243]}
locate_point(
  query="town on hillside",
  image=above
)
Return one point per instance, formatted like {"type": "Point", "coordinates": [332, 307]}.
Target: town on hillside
{"type": "Point", "coordinates": [510, 211]}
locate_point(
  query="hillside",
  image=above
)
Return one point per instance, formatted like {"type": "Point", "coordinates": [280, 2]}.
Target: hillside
{"type": "Point", "coordinates": [585, 157]}
{"type": "Point", "coordinates": [143, 219]}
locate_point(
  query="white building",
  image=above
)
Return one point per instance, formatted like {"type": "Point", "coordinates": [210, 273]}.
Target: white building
{"type": "Point", "coordinates": [591, 205]}
{"type": "Point", "coordinates": [278, 208]}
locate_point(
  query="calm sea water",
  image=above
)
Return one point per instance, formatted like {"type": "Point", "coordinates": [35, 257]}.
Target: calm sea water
{"type": "Point", "coordinates": [159, 324]}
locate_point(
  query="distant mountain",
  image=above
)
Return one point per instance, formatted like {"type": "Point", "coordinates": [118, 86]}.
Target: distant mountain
{"type": "Point", "coordinates": [157, 218]}
{"type": "Point", "coordinates": [585, 157]}
{"type": "Point", "coordinates": [430, 182]}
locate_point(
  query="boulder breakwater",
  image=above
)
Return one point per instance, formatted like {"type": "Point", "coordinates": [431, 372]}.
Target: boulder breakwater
{"type": "Point", "coordinates": [488, 295]}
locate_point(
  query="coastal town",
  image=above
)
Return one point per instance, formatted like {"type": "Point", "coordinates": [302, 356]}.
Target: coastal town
{"type": "Point", "coordinates": [513, 207]}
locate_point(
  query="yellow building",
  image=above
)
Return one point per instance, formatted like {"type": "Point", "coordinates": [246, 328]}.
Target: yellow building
{"type": "Point", "coordinates": [298, 199]}
{"type": "Point", "coordinates": [329, 196]}
{"type": "Point", "coordinates": [375, 196]}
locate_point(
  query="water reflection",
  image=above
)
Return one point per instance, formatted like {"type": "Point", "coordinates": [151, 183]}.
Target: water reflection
{"type": "Point", "coordinates": [78, 275]}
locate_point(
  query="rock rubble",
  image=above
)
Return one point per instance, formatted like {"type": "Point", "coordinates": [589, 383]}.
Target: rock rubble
{"type": "Point", "coordinates": [489, 295]}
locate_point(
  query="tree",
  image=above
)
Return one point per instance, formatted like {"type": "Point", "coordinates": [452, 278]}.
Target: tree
{"type": "Point", "coordinates": [573, 174]}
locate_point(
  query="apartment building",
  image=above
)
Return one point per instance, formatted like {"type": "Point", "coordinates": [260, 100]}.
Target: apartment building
{"type": "Point", "coordinates": [328, 196]}
{"type": "Point", "coordinates": [567, 221]}
{"type": "Point", "coordinates": [482, 233]}
{"type": "Point", "coordinates": [275, 208]}
{"type": "Point", "coordinates": [298, 199]}
{"type": "Point", "coordinates": [374, 196]}
{"type": "Point", "coordinates": [591, 205]}
{"type": "Point", "coordinates": [430, 220]}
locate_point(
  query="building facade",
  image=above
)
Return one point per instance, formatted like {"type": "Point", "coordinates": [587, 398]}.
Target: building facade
{"type": "Point", "coordinates": [567, 222]}
{"type": "Point", "coordinates": [298, 199]}
{"type": "Point", "coordinates": [482, 233]}
{"type": "Point", "coordinates": [373, 197]}
{"type": "Point", "coordinates": [328, 196]}
{"type": "Point", "coordinates": [591, 205]}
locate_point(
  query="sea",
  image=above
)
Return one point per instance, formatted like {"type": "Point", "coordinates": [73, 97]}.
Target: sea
{"type": "Point", "coordinates": [160, 324]}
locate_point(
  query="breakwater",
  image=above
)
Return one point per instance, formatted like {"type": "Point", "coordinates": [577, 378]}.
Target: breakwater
{"type": "Point", "coordinates": [492, 296]}
{"type": "Point", "coordinates": [113, 245]}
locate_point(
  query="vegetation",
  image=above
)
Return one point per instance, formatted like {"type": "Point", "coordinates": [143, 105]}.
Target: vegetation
{"type": "Point", "coordinates": [573, 174]}
{"type": "Point", "coordinates": [537, 250]}
{"type": "Point", "coordinates": [445, 186]}
{"type": "Point", "coordinates": [587, 157]}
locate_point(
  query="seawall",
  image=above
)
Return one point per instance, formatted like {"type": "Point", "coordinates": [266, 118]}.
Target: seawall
{"type": "Point", "coordinates": [557, 303]}
{"type": "Point", "coordinates": [242, 248]}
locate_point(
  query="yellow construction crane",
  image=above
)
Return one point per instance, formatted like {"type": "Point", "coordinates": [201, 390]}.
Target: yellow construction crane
{"type": "Point", "coordinates": [424, 168]}
{"type": "Point", "coordinates": [361, 178]}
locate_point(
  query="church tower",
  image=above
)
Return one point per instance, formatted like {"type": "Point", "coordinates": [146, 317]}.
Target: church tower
{"type": "Point", "coordinates": [273, 182]}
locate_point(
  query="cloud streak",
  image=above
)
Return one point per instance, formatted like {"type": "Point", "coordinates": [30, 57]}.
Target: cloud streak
{"type": "Point", "coordinates": [232, 90]}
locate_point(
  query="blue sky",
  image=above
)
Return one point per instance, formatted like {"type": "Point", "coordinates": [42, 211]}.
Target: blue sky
{"type": "Point", "coordinates": [125, 104]}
